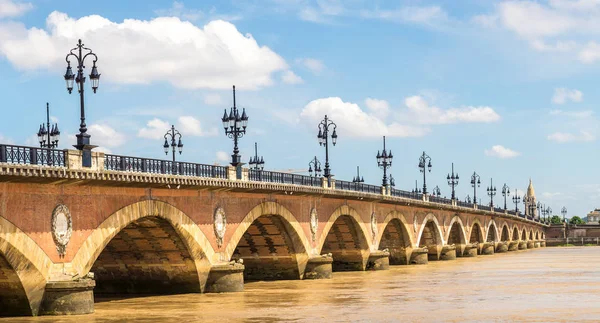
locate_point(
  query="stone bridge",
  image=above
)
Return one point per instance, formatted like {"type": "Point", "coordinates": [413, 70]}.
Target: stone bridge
{"type": "Point", "coordinates": [133, 231]}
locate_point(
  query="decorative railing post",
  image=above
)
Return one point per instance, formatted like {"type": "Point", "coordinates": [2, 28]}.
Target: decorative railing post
{"type": "Point", "coordinates": [122, 165]}
{"type": "Point", "coordinates": [33, 156]}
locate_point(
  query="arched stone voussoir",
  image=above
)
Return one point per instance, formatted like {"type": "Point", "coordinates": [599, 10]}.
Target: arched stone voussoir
{"type": "Point", "coordinates": [395, 215]}
{"type": "Point", "coordinates": [431, 217]}
{"type": "Point", "coordinates": [351, 212]}
{"type": "Point", "coordinates": [495, 228]}
{"type": "Point", "coordinates": [30, 264]}
{"type": "Point", "coordinates": [456, 219]}
{"type": "Point", "coordinates": [198, 245]}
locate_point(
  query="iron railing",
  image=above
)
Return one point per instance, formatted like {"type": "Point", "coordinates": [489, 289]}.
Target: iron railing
{"type": "Point", "coordinates": [357, 187]}
{"type": "Point", "coordinates": [441, 200]}
{"type": "Point", "coordinates": [283, 178]}
{"type": "Point", "coordinates": [32, 155]}
{"type": "Point", "coordinates": [157, 166]}
{"type": "Point", "coordinates": [464, 204]}
{"type": "Point", "coordinates": [405, 194]}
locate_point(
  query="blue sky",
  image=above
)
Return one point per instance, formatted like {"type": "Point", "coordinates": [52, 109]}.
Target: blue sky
{"type": "Point", "coordinates": [504, 88]}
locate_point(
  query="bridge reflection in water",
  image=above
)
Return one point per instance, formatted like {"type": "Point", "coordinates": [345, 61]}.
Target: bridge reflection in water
{"type": "Point", "coordinates": [140, 229]}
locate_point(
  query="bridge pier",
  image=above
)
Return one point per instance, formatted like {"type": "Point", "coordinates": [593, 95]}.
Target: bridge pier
{"type": "Point", "coordinates": [530, 244]}
{"type": "Point", "coordinates": [513, 246]}
{"type": "Point", "coordinates": [419, 256]}
{"type": "Point", "coordinates": [487, 248]}
{"type": "Point", "coordinates": [433, 252]}
{"type": "Point", "coordinates": [522, 245]}
{"type": "Point", "coordinates": [68, 297]}
{"type": "Point", "coordinates": [319, 267]}
{"type": "Point", "coordinates": [225, 278]}
{"type": "Point", "coordinates": [399, 256]}
{"type": "Point", "coordinates": [379, 260]}
{"type": "Point", "coordinates": [502, 247]}
{"type": "Point", "coordinates": [543, 244]}
{"type": "Point", "coordinates": [536, 244]}
{"type": "Point", "coordinates": [471, 250]}
{"type": "Point", "coordinates": [448, 252]}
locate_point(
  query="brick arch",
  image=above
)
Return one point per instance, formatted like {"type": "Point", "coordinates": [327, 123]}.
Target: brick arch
{"type": "Point", "coordinates": [476, 233]}
{"type": "Point", "coordinates": [494, 232]}
{"type": "Point", "coordinates": [345, 236]}
{"type": "Point", "coordinates": [515, 233]}
{"type": "Point", "coordinates": [504, 233]}
{"type": "Point", "coordinates": [530, 234]}
{"type": "Point", "coordinates": [435, 226]}
{"type": "Point", "coordinates": [524, 235]}
{"type": "Point", "coordinates": [273, 228]}
{"type": "Point", "coordinates": [24, 270]}
{"type": "Point", "coordinates": [460, 228]}
{"type": "Point", "coordinates": [401, 226]}
{"type": "Point", "coordinates": [134, 216]}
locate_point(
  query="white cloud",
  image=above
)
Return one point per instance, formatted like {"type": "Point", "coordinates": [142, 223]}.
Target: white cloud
{"type": "Point", "coordinates": [179, 10]}
{"type": "Point", "coordinates": [500, 151]}
{"type": "Point", "coordinates": [590, 52]}
{"type": "Point", "coordinates": [573, 114]}
{"type": "Point", "coordinates": [214, 56]}
{"type": "Point", "coordinates": [315, 65]}
{"type": "Point", "coordinates": [290, 77]}
{"type": "Point", "coordinates": [562, 95]}
{"type": "Point", "coordinates": [105, 137]}
{"type": "Point", "coordinates": [420, 110]}
{"type": "Point", "coordinates": [222, 156]}
{"type": "Point", "coordinates": [550, 195]}
{"type": "Point", "coordinates": [190, 126]}
{"type": "Point", "coordinates": [213, 99]}
{"type": "Point", "coordinates": [425, 15]}
{"type": "Point", "coordinates": [354, 122]}
{"type": "Point", "coordinates": [8, 141]}
{"type": "Point", "coordinates": [155, 129]}
{"type": "Point", "coordinates": [564, 137]}
{"type": "Point", "coordinates": [380, 108]}
{"type": "Point", "coordinates": [10, 8]}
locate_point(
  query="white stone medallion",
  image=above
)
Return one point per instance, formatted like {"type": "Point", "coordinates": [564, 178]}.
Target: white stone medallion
{"type": "Point", "coordinates": [314, 224]}
{"type": "Point", "coordinates": [220, 223]}
{"type": "Point", "coordinates": [61, 228]}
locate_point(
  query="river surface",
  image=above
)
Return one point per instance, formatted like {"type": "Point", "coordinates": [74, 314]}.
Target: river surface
{"type": "Point", "coordinates": [540, 285]}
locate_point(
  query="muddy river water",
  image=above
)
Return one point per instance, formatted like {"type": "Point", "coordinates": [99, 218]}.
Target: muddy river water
{"type": "Point", "coordinates": [540, 285]}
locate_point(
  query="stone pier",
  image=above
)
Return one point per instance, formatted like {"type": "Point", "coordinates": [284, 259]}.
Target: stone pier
{"type": "Point", "coordinates": [319, 267]}
{"type": "Point", "coordinates": [225, 278]}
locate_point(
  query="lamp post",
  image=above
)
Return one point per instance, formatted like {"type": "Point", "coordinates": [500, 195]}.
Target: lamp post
{"type": "Point", "coordinates": [505, 193]}
{"type": "Point", "coordinates": [179, 145]}
{"type": "Point", "coordinates": [235, 128]}
{"type": "Point", "coordinates": [564, 213]}
{"type": "Point", "coordinates": [323, 137]}
{"type": "Point", "coordinates": [539, 208]}
{"type": "Point", "coordinates": [83, 138]}
{"type": "Point", "coordinates": [491, 192]}
{"type": "Point", "coordinates": [516, 199]}
{"type": "Point", "coordinates": [392, 181]}
{"type": "Point", "coordinates": [416, 191]}
{"type": "Point", "coordinates": [314, 167]}
{"type": "Point", "coordinates": [475, 182]}
{"type": "Point", "coordinates": [468, 199]}
{"type": "Point", "coordinates": [358, 178]}
{"type": "Point", "coordinates": [48, 137]}
{"type": "Point", "coordinates": [548, 213]}
{"type": "Point", "coordinates": [436, 191]}
{"type": "Point", "coordinates": [384, 161]}
{"type": "Point", "coordinates": [255, 162]}
{"type": "Point", "coordinates": [452, 181]}
{"type": "Point", "coordinates": [424, 166]}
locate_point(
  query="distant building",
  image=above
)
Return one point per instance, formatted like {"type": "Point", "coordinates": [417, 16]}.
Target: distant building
{"type": "Point", "coordinates": [594, 216]}
{"type": "Point", "coordinates": [530, 202]}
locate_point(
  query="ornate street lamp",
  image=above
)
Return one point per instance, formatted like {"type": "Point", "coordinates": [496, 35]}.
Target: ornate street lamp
{"type": "Point", "coordinates": [416, 191]}
{"type": "Point", "coordinates": [475, 183]}
{"type": "Point", "coordinates": [48, 137]}
{"type": "Point", "coordinates": [516, 199]}
{"type": "Point", "coordinates": [564, 213]}
{"type": "Point", "coordinates": [452, 181]}
{"type": "Point", "coordinates": [235, 128]}
{"type": "Point", "coordinates": [384, 161]}
{"type": "Point", "coordinates": [174, 134]}
{"type": "Point", "coordinates": [83, 138]}
{"type": "Point", "coordinates": [392, 181]}
{"type": "Point", "coordinates": [255, 162]}
{"type": "Point", "coordinates": [548, 213]}
{"type": "Point", "coordinates": [468, 199]}
{"type": "Point", "coordinates": [491, 192]}
{"type": "Point", "coordinates": [436, 191]}
{"type": "Point", "coordinates": [358, 178]}
{"type": "Point", "coordinates": [314, 167]}
{"type": "Point", "coordinates": [323, 136]}
{"type": "Point", "coordinates": [539, 208]}
{"type": "Point", "coordinates": [424, 166]}
{"type": "Point", "coordinates": [505, 193]}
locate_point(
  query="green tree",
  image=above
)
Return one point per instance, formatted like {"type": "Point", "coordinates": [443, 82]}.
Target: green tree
{"type": "Point", "coordinates": [555, 219]}
{"type": "Point", "coordinates": [576, 220]}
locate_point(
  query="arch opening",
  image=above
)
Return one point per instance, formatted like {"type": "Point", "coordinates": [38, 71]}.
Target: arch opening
{"type": "Point", "coordinates": [515, 235]}
{"type": "Point", "coordinates": [531, 235]}
{"type": "Point", "coordinates": [456, 235]}
{"type": "Point", "coordinates": [270, 249]}
{"type": "Point", "coordinates": [524, 235]}
{"type": "Point", "coordinates": [347, 244]}
{"type": "Point", "coordinates": [146, 257]}
{"type": "Point", "coordinates": [430, 238]}
{"type": "Point", "coordinates": [13, 299]}
{"type": "Point", "coordinates": [395, 238]}
{"type": "Point", "coordinates": [505, 236]}
{"type": "Point", "coordinates": [491, 236]}
{"type": "Point", "coordinates": [537, 236]}
{"type": "Point", "coordinates": [476, 234]}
